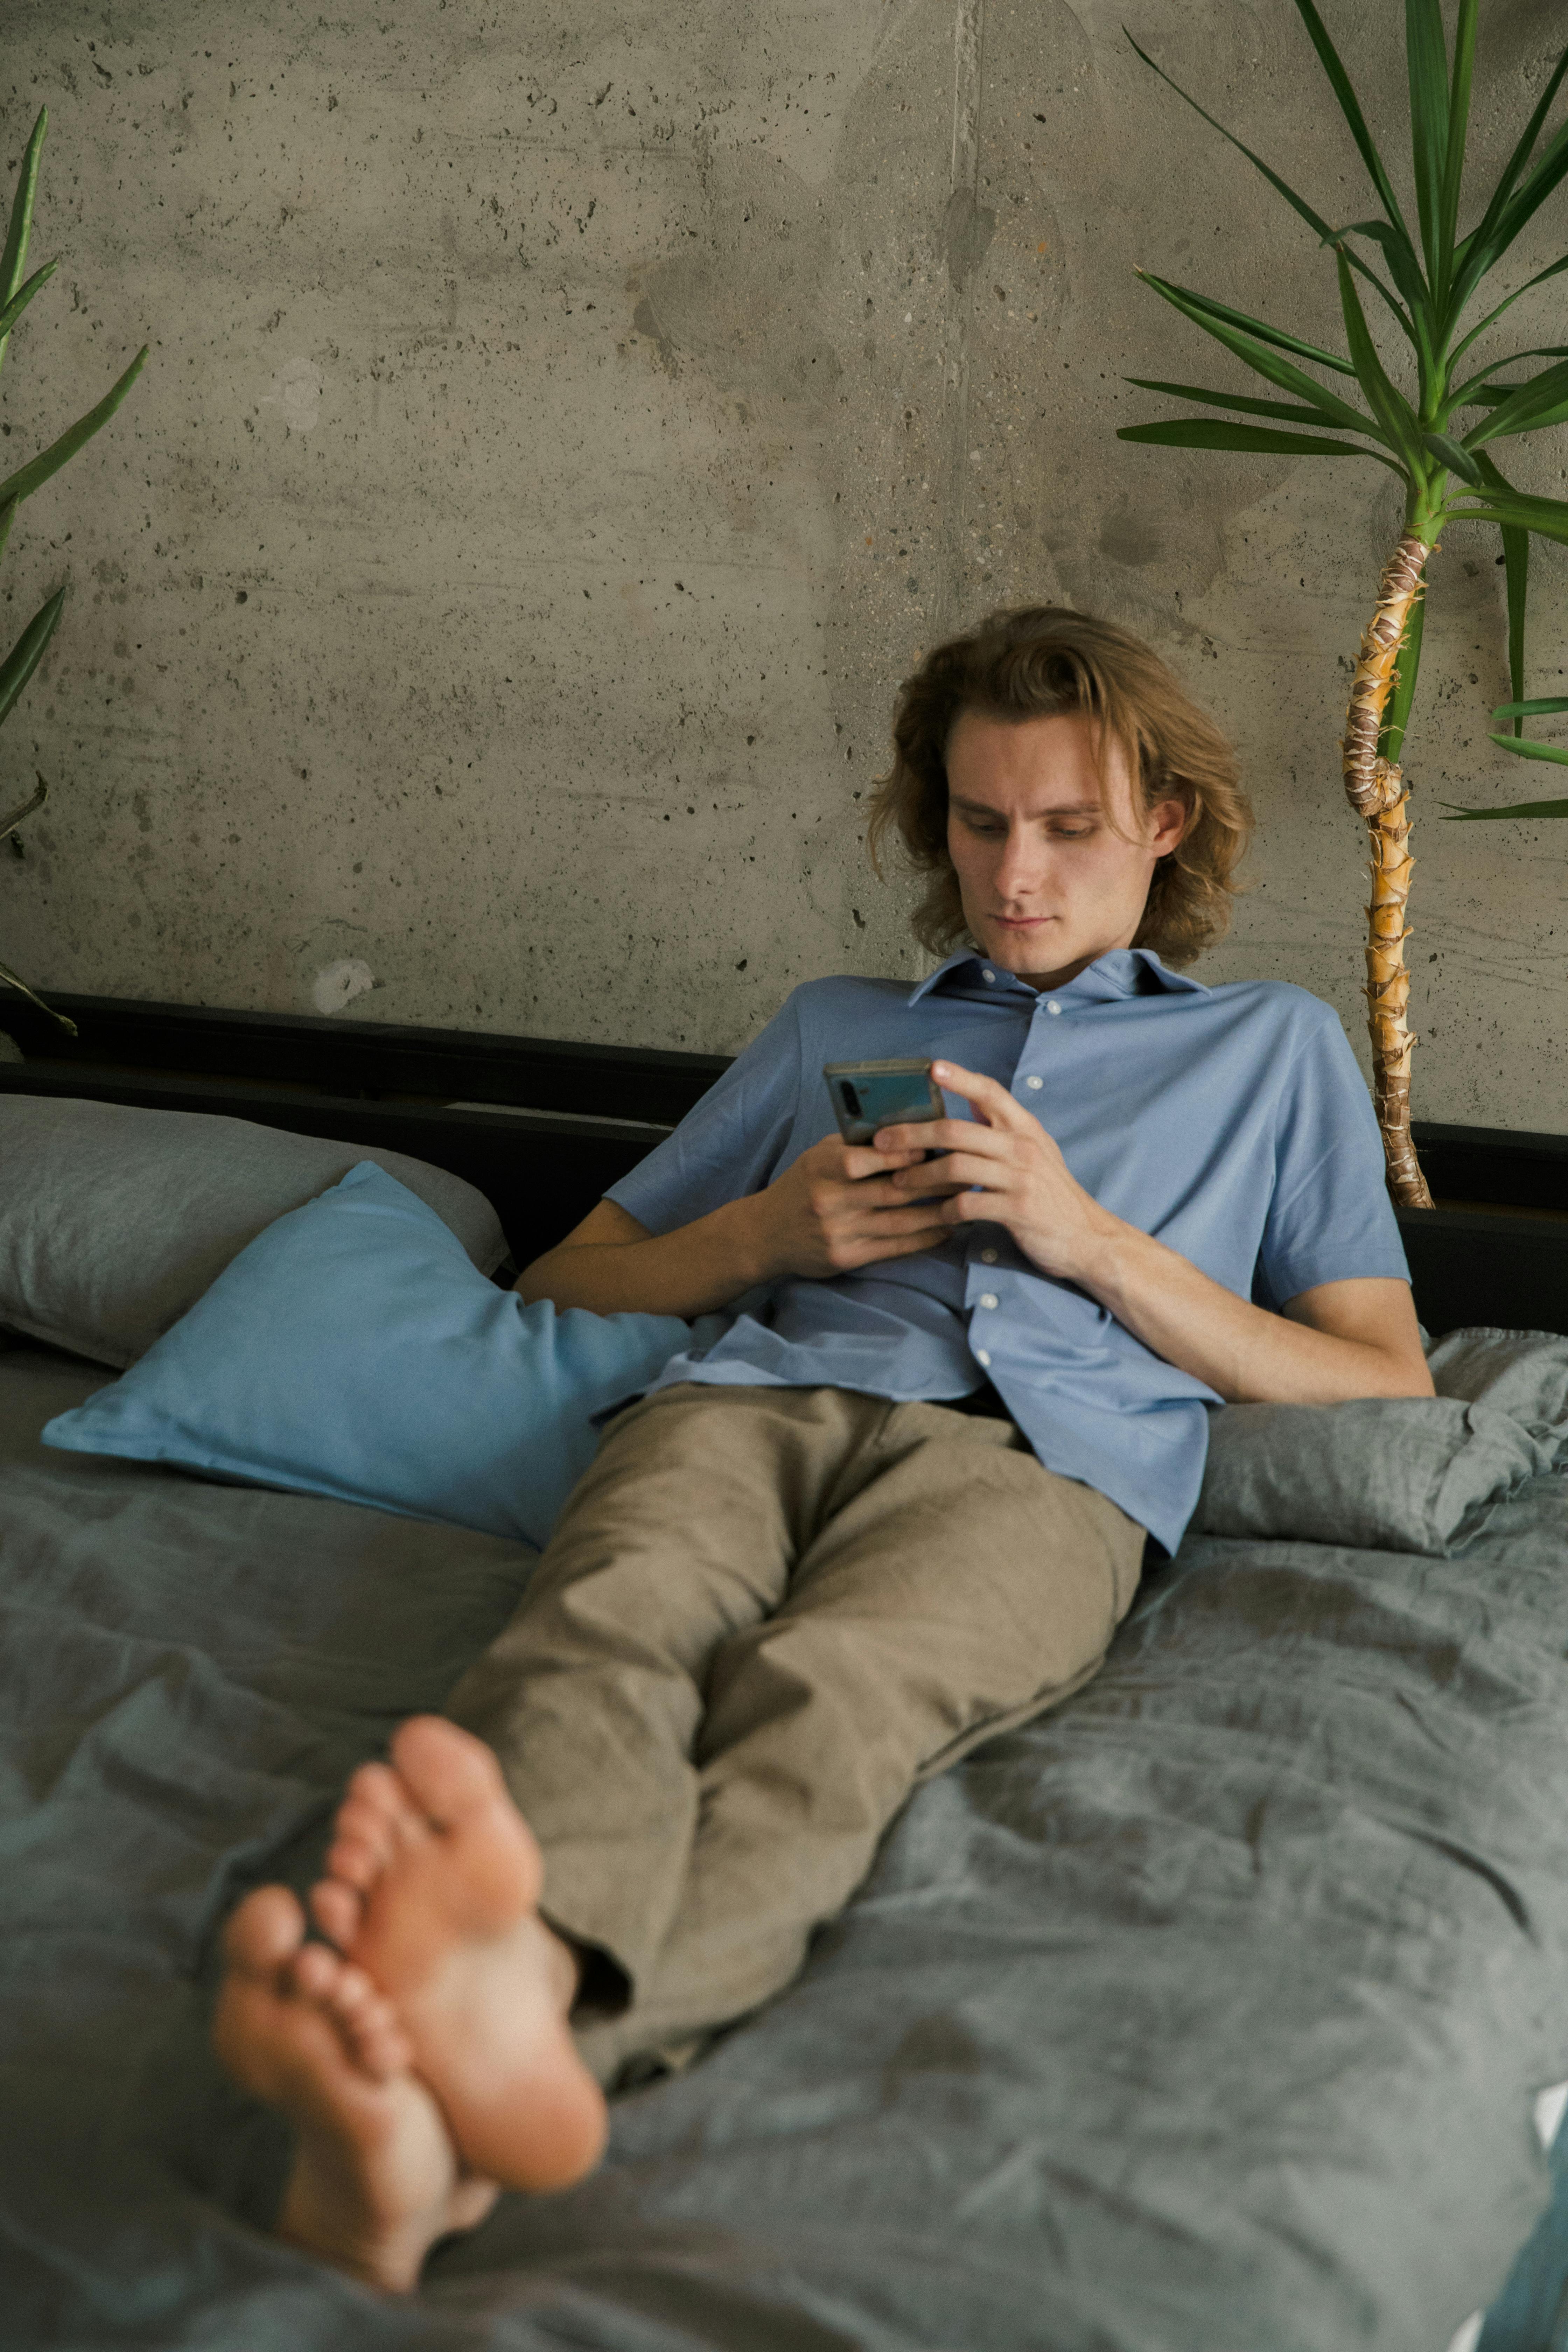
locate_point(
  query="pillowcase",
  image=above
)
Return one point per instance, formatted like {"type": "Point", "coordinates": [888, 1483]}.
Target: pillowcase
{"type": "Point", "coordinates": [1522, 1373]}
{"type": "Point", "coordinates": [1383, 1474]}
{"type": "Point", "coordinates": [352, 1351]}
{"type": "Point", "coordinates": [114, 1220]}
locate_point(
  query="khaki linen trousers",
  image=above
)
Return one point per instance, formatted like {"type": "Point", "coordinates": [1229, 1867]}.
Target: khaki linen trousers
{"type": "Point", "coordinates": [765, 1616]}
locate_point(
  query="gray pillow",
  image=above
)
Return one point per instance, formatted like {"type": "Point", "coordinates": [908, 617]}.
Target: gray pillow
{"type": "Point", "coordinates": [113, 1221]}
{"type": "Point", "coordinates": [1522, 1373]}
{"type": "Point", "coordinates": [1387, 1474]}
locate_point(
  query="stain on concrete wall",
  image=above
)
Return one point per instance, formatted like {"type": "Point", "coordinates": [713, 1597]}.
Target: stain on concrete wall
{"type": "Point", "coordinates": [566, 424]}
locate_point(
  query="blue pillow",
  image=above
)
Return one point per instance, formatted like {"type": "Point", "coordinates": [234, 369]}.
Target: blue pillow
{"type": "Point", "coordinates": [352, 1349]}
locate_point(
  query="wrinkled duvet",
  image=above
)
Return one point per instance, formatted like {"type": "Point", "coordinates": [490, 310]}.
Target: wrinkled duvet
{"type": "Point", "coordinates": [1204, 2016]}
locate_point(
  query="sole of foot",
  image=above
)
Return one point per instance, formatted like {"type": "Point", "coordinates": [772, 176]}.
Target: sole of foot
{"type": "Point", "coordinates": [376, 2178]}
{"type": "Point", "coordinates": [432, 1888]}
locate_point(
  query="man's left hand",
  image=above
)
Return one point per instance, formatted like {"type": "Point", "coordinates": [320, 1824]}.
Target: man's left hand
{"type": "Point", "coordinates": [1003, 1169]}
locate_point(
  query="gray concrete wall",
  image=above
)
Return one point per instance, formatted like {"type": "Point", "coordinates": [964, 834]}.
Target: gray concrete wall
{"type": "Point", "coordinates": [566, 422]}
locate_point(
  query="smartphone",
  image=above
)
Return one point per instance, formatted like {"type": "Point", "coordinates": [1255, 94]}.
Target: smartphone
{"type": "Point", "coordinates": [869, 1095]}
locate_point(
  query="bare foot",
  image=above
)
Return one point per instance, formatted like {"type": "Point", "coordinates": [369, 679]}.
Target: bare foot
{"type": "Point", "coordinates": [433, 1880]}
{"type": "Point", "coordinates": [377, 2178]}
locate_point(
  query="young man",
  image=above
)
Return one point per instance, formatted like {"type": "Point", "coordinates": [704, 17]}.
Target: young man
{"type": "Point", "coordinates": [900, 1506]}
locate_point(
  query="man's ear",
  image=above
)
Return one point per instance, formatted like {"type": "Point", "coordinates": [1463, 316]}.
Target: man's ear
{"type": "Point", "coordinates": [1168, 823]}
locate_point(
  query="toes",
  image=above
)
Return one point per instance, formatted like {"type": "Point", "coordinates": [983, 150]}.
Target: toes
{"type": "Point", "coordinates": [367, 2024]}
{"type": "Point", "coordinates": [355, 1862]}
{"type": "Point", "coordinates": [383, 1813]}
{"type": "Point", "coordinates": [316, 1973]}
{"type": "Point", "coordinates": [382, 2047]}
{"type": "Point", "coordinates": [367, 1825]}
{"type": "Point", "coordinates": [354, 1995]}
{"type": "Point", "coordinates": [266, 1929]}
{"type": "Point", "coordinates": [449, 1772]}
{"type": "Point", "coordinates": [337, 1910]}
{"type": "Point", "coordinates": [375, 1792]}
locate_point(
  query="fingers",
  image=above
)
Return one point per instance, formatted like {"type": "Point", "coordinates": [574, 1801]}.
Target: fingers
{"type": "Point", "coordinates": [961, 1172]}
{"type": "Point", "coordinates": [860, 1162]}
{"type": "Point", "coordinates": [990, 1099]}
{"type": "Point", "coordinates": [872, 1253]}
{"type": "Point", "coordinates": [949, 1134]}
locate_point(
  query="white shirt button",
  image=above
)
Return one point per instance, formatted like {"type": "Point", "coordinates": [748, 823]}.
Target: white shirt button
{"type": "Point", "coordinates": [981, 1357]}
{"type": "Point", "coordinates": [986, 972]}
{"type": "Point", "coordinates": [1035, 1084]}
{"type": "Point", "coordinates": [988, 1298]}
{"type": "Point", "coordinates": [1052, 1006]}
{"type": "Point", "coordinates": [987, 1257]}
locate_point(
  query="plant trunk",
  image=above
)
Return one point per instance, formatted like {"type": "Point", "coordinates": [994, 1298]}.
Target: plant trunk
{"type": "Point", "coordinates": [1376, 791]}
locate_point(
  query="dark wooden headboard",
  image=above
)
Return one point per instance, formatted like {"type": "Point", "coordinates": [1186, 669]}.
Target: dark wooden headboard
{"type": "Point", "coordinates": [541, 1124]}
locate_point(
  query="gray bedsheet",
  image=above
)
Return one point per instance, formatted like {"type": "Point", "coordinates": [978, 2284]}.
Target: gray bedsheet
{"type": "Point", "coordinates": [1202, 2017]}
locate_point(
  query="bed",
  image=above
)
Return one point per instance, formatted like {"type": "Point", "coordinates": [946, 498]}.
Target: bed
{"type": "Point", "coordinates": [1211, 2012]}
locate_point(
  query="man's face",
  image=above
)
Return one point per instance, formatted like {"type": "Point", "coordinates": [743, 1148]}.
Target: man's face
{"type": "Point", "coordinates": [1047, 884]}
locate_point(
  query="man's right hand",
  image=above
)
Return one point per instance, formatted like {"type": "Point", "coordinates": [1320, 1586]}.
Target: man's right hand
{"type": "Point", "coordinates": [836, 1208]}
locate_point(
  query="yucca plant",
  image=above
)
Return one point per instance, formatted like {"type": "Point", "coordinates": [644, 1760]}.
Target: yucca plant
{"type": "Point", "coordinates": [29, 649]}
{"type": "Point", "coordinates": [1435, 435]}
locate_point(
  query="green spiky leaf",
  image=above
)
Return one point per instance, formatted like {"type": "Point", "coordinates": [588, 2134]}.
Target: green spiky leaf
{"type": "Point", "coordinates": [1426, 62]}
{"type": "Point", "coordinates": [1542, 401]}
{"type": "Point", "coordinates": [1292, 411]}
{"type": "Point", "coordinates": [1393, 411]}
{"type": "Point", "coordinates": [27, 652]}
{"type": "Point", "coordinates": [1458, 130]}
{"type": "Point", "coordinates": [1527, 749]}
{"type": "Point", "coordinates": [1404, 267]}
{"type": "Point", "coordinates": [1455, 456]}
{"type": "Point", "coordinates": [1297, 203]}
{"type": "Point", "coordinates": [1483, 253]}
{"type": "Point", "coordinates": [1553, 269]}
{"type": "Point", "coordinates": [1276, 336]}
{"type": "Point", "coordinates": [1540, 709]}
{"type": "Point", "coordinates": [1350, 107]}
{"type": "Point", "coordinates": [1508, 178]}
{"type": "Point", "coordinates": [1209, 433]}
{"type": "Point", "coordinates": [1549, 517]}
{"type": "Point", "coordinates": [1456, 813]}
{"type": "Point", "coordinates": [14, 259]}
{"type": "Point", "coordinates": [1516, 573]}
{"type": "Point", "coordinates": [23, 296]}
{"type": "Point", "coordinates": [1257, 355]}
{"type": "Point", "coordinates": [38, 471]}
{"type": "Point", "coordinates": [1480, 251]}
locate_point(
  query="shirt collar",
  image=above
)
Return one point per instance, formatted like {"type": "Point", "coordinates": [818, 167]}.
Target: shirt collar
{"type": "Point", "coordinates": [1123, 972]}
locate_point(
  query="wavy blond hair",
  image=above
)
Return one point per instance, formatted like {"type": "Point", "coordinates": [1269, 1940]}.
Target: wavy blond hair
{"type": "Point", "coordinates": [1034, 662]}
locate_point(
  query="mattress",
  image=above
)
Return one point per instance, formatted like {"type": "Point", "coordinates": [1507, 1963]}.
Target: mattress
{"type": "Point", "coordinates": [1207, 2014]}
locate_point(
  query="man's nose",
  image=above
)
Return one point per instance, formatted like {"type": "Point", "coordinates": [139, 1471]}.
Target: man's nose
{"type": "Point", "coordinates": [1021, 868]}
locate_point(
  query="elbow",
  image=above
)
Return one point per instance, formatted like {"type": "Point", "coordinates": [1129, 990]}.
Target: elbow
{"type": "Point", "coordinates": [535, 1282]}
{"type": "Point", "coordinates": [1406, 1377]}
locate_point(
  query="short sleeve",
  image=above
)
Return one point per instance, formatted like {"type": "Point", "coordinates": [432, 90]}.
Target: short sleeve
{"type": "Point", "coordinates": [1330, 1219]}
{"type": "Point", "coordinates": [729, 1144]}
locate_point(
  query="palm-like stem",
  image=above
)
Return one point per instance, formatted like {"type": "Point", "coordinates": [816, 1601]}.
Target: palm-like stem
{"type": "Point", "coordinates": [1425, 284]}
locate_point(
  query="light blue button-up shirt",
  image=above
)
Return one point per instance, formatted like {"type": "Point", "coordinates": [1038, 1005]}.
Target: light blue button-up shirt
{"type": "Point", "coordinates": [1232, 1123]}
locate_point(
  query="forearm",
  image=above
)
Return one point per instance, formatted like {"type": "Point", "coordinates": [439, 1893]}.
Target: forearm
{"type": "Point", "coordinates": [1243, 1351]}
{"type": "Point", "coordinates": [695, 1269]}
